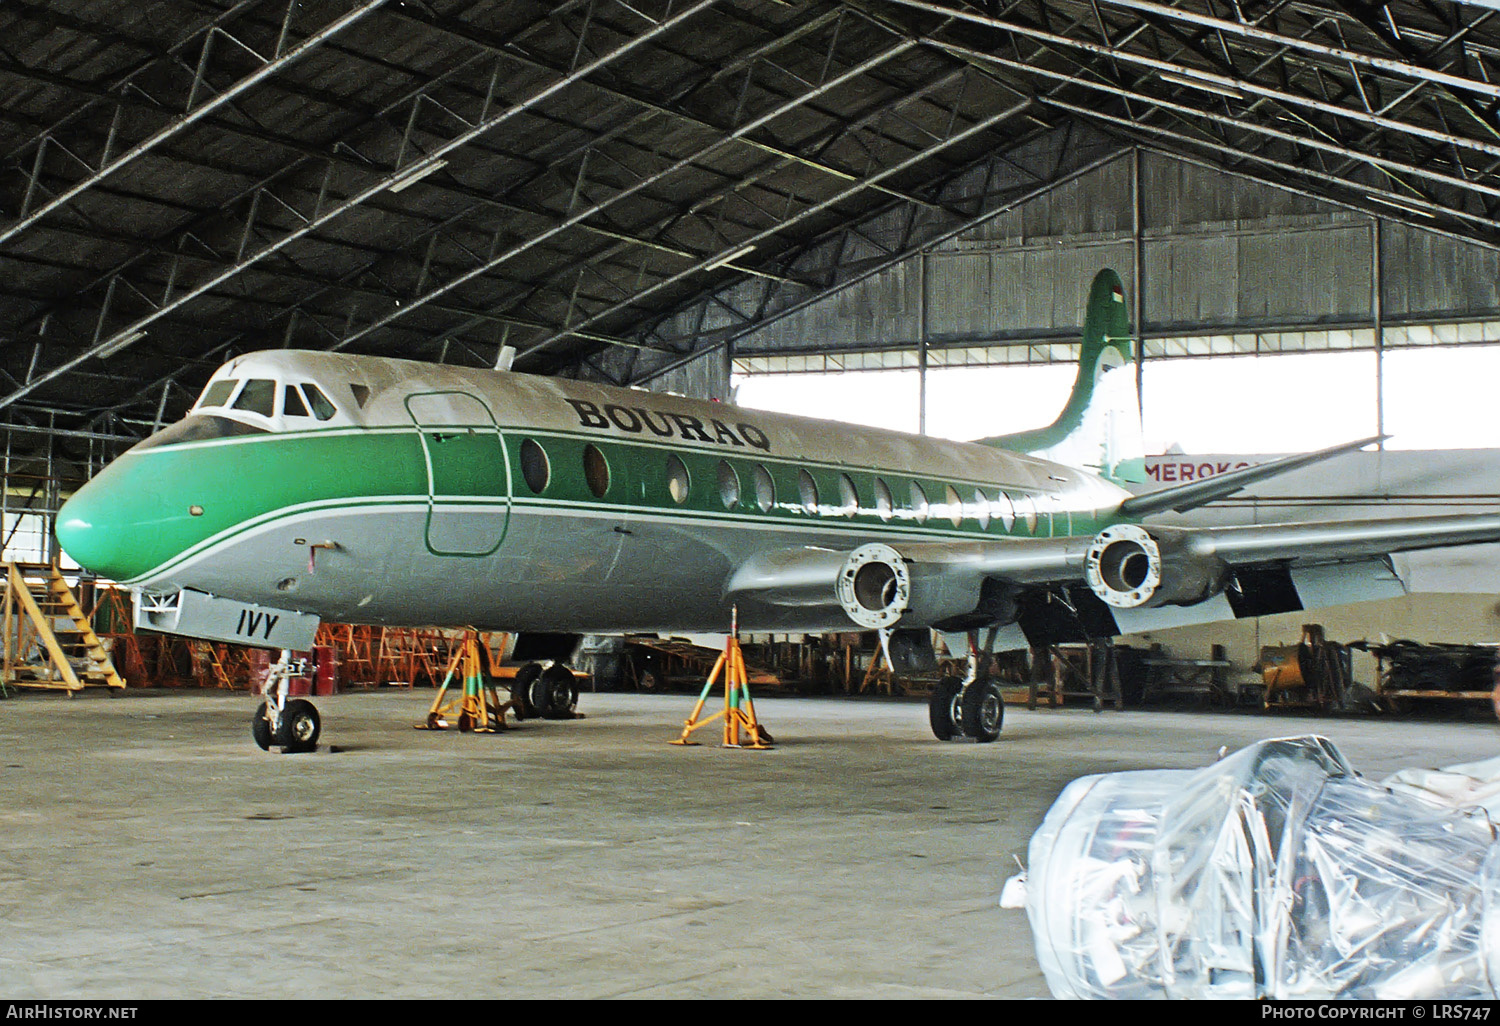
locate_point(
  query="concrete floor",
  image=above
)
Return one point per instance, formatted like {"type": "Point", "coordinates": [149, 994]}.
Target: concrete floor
{"type": "Point", "coordinates": [151, 851]}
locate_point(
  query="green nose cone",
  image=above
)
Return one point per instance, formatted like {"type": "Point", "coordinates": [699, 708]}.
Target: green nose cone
{"type": "Point", "coordinates": [92, 531]}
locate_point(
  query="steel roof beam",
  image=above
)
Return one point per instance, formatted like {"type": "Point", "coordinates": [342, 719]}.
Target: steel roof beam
{"type": "Point", "coordinates": [906, 252]}
{"type": "Point", "coordinates": [630, 190]}
{"type": "Point", "coordinates": [974, 129]}
{"type": "Point", "coordinates": [108, 166]}
{"type": "Point", "coordinates": [318, 217]}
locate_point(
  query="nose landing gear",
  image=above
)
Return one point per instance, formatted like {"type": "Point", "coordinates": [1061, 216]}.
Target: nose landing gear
{"type": "Point", "coordinates": [291, 725]}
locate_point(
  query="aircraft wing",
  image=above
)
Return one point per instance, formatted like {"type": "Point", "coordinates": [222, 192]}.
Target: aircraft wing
{"type": "Point", "coordinates": [1124, 572]}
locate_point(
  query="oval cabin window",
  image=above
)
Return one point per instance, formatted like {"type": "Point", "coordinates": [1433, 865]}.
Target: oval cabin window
{"type": "Point", "coordinates": [595, 470]}
{"type": "Point", "coordinates": [677, 479]}
{"type": "Point", "coordinates": [729, 485]}
{"type": "Point", "coordinates": [765, 489]}
{"type": "Point", "coordinates": [535, 469]}
{"type": "Point", "coordinates": [807, 490]}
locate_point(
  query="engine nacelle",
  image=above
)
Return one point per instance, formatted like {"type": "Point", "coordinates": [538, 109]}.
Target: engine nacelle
{"type": "Point", "coordinates": [879, 588]}
{"type": "Point", "coordinates": [1129, 567]}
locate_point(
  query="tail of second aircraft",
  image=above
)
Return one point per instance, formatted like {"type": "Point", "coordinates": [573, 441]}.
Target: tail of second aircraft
{"type": "Point", "coordinates": [1100, 427]}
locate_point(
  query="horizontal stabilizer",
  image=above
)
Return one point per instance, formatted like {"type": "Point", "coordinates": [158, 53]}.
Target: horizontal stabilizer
{"type": "Point", "coordinates": [1200, 493]}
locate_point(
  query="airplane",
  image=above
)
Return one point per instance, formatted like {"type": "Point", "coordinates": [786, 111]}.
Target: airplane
{"type": "Point", "coordinates": [306, 487]}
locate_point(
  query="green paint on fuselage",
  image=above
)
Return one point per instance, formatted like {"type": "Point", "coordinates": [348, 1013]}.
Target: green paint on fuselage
{"type": "Point", "coordinates": [247, 481]}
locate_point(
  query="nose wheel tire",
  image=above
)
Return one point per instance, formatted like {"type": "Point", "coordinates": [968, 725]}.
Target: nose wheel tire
{"type": "Point", "coordinates": [300, 726]}
{"type": "Point", "coordinates": [943, 711]}
{"type": "Point", "coordinates": [983, 708]}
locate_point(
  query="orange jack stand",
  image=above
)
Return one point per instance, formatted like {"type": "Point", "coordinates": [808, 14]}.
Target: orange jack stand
{"type": "Point", "coordinates": [478, 705]}
{"type": "Point", "coordinates": [741, 728]}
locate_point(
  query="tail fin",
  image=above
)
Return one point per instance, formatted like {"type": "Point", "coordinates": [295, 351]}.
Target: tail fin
{"type": "Point", "coordinates": [1100, 427]}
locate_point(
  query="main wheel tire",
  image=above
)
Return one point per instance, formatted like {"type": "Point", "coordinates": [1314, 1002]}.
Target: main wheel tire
{"type": "Point", "coordinates": [558, 692]}
{"type": "Point", "coordinates": [983, 711]}
{"type": "Point", "coordinates": [520, 691]}
{"type": "Point", "coordinates": [301, 726]}
{"type": "Point", "coordinates": [260, 729]}
{"type": "Point", "coordinates": [943, 710]}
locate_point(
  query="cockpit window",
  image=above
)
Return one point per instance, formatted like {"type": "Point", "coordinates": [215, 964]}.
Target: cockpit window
{"type": "Point", "coordinates": [361, 394]}
{"type": "Point", "coordinates": [199, 429]}
{"type": "Point", "coordinates": [321, 407]}
{"type": "Point", "coordinates": [218, 393]}
{"type": "Point", "coordinates": [258, 396]}
{"type": "Point", "coordinates": [292, 404]}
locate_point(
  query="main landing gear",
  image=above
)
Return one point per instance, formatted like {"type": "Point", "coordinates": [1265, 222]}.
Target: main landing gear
{"type": "Point", "coordinates": [291, 725]}
{"type": "Point", "coordinates": [971, 706]}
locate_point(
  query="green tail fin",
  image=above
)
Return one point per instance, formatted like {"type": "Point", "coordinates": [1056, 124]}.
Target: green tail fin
{"type": "Point", "coordinates": [1076, 437]}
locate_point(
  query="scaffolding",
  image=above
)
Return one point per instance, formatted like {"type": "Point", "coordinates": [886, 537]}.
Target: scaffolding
{"type": "Point", "coordinates": [49, 641]}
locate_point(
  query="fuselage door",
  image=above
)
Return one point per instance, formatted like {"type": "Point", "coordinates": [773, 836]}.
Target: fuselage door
{"type": "Point", "coordinates": [468, 479]}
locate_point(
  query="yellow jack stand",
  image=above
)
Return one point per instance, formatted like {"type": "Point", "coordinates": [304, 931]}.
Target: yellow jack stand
{"type": "Point", "coordinates": [479, 707]}
{"type": "Point", "coordinates": [741, 728]}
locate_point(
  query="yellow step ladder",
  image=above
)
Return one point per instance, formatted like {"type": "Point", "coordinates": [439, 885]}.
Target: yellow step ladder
{"type": "Point", "coordinates": [49, 642]}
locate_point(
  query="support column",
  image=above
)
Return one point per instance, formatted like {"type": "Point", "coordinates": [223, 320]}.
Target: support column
{"type": "Point", "coordinates": [1377, 317]}
{"type": "Point", "coordinates": [922, 343]}
{"type": "Point", "coordinates": [1137, 290]}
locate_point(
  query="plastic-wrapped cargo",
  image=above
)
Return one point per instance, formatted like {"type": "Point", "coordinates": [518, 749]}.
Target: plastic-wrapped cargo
{"type": "Point", "coordinates": [1276, 872]}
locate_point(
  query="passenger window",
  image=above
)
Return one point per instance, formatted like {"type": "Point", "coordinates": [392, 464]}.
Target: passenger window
{"type": "Point", "coordinates": [321, 407]}
{"type": "Point", "coordinates": [765, 489]}
{"type": "Point", "coordinates": [955, 505]}
{"type": "Point", "coordinates": [595, 470]}
{"type": "Point", "coordinates": [848, 496]}
{"type": "Point", "coordinates": [807, 490]}
{"type": "Point", "coordinates": [1004, 510]}
{"type": "Point", "coordinates": [361, 394]}
{"type": "Point", "coordinates": [981, 509]}
{"type": "Point", "coordinates": [218, 393]}
{"type": "Point", "coordinates": [884, 503]}
{"type": "Point", "coordinates": [677, 479]}
{"type": "Point", "coordinates": [729, 485]}
{"type": "Point", "coordinates": [1026, 511]}
{"type": "Point", "coordinates": [258, 396]}
{"type": "Point", "coordinates": [292, 404]}
{"type": "Point", "coordinates": [919, 503]}
{"type": "Point", "coordinates": [535, 469]}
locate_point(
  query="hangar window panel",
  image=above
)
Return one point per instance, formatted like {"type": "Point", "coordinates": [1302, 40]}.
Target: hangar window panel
{"type": "Point", "coordinates": [595, 470]}
{"type": "Point", "coordinates": [536, 470]}
{"type": "Point", "coordinates": [1442, 398]}
{"type": "Point", "coordinates": [884, 398]}
{"type": "Point", "coordinates": [678, 481]}
{"type": "Point", "coordinates": [729, 485]}
{"type": "Point", "coordinates": [1269, 404]}
{"type": "Point", "coordinates": [981, 402]}
{"type": "Point", "coordinates": [258, 396]}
